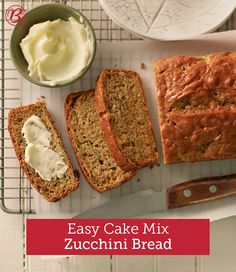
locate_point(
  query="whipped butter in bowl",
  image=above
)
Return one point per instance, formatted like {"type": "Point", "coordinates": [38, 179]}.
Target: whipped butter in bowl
{"type": "Point", "coordinates": [57, 47]}
{"type": "Point", "coordinates": [57, 51]}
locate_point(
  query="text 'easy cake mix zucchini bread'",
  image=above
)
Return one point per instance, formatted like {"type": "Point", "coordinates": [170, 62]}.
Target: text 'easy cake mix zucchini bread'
{"type": "Point", "coordinates": [40, 151]}
{"type": "Point", "coordinates": [125, 120]}
{"type": "Point", "coordinates": [197, 107]}
{"type": "Point", "coordinates": [83, 125]}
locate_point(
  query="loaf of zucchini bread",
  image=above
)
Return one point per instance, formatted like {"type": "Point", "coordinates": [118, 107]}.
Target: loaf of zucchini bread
{"type": "Point", "coordinates": [197, 107]}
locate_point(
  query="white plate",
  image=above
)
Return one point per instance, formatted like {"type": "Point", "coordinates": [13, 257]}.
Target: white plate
{"type": "Point", "coordinates": [169, 19]}
{"type": "Point", "coordinates": [130, 55]}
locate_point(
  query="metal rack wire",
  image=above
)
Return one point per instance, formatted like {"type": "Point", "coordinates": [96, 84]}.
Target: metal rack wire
{"type": "Point", "coordinates": [15, 191]}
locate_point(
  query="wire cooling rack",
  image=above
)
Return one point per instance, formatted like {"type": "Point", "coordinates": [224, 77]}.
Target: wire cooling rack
{"type": "Point", "coordinates": [15, 191]}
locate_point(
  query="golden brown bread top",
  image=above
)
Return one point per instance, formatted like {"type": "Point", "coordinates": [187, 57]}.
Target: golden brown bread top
{"type": "Point", "coordinates": [197, 106]}
{"type": "Point", "coordinates": [181, 76]}
{"type": "Point", "coordinates": [199, 136]}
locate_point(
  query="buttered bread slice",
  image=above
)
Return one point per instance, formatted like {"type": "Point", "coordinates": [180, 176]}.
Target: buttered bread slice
{"type": "Point", "coordinates": [40, 151]}
{"type": "Point", "coordinates": [125, 120]}
{"type": "Point", "coordinates": [96, 162]}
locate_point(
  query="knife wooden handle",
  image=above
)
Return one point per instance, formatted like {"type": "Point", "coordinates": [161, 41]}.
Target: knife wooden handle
{"type": "Point", "coordinates": [201, 190]}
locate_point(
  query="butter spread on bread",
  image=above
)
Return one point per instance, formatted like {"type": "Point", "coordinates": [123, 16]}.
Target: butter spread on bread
{"type": "Point", "coordinates": [38, 153]}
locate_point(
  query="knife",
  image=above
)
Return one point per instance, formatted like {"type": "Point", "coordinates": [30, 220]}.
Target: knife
{"type": "Point", "coordinates": [149, 201]}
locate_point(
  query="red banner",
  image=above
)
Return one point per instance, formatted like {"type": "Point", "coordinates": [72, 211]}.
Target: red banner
{"type": "Point", "coordinates": [117, 237]}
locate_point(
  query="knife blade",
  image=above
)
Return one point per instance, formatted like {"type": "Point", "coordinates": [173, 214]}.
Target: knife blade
{"type": "Point", "coordinates": [149, 201]}
{"type": "Point", "coordinates": [128, 206]}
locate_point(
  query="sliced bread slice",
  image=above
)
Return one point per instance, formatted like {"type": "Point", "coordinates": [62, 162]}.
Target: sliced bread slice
{"type": "Point", "coordinates": [51, 190]}
{"type": "Point", "coordinates": [96, 162]}
{"type": "Point", "coordinates": [125, 120]}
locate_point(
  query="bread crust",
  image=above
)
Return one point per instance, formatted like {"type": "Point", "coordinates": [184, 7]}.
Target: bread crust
{"type": "Point", "coordinates": [67, 108]}
{"type": "Point", "coordinates": [121, 160]}
{"type": "Point", "coordinates": [32, 176]}
{"type": "Point", "coordinates": [118, 154]}
{"type": "Point", "coordinates": [197, 109]}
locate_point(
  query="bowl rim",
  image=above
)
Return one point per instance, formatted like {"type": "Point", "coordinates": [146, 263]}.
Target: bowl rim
{"type": "Point", "coordinates": [82, 72]}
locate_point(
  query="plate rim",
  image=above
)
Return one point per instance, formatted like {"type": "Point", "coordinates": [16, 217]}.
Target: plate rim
{"type": "Point", "coordinates": [156, 38]}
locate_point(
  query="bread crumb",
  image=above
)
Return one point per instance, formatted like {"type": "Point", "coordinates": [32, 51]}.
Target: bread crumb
{"type": "Point", "coordinates": [157, 164]}
{"type": "Point", "coordinates": [41, 98]}
{"type": "Point", "coordinates": [142, 66]}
